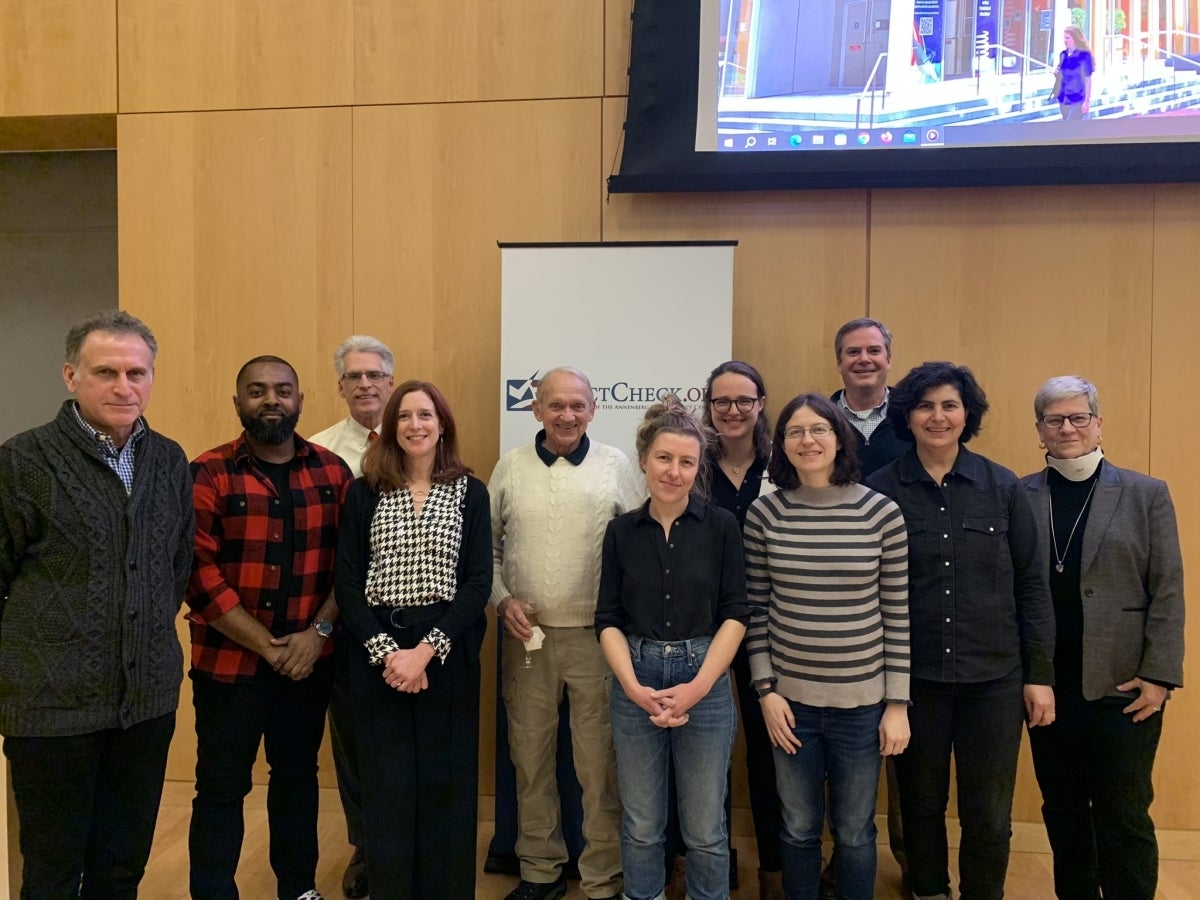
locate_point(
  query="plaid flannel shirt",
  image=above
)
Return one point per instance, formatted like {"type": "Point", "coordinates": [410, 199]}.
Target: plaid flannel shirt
{"type": "Point", "coordinates": [239, 535]}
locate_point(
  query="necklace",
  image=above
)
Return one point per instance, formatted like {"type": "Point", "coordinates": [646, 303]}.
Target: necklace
{"type": "Point", "coordinates": [1058, 558]}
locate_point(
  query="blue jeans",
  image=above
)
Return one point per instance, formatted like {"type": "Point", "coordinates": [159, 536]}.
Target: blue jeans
{"type": "Point", "coordinates": [700, 751]}
{"type": "Point", "coordinates": [843, 746]}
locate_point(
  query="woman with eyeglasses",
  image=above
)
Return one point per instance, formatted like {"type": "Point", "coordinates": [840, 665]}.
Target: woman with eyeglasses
{"type": "Point", "coordinates": [735, 407]}
{"type": "Point", "coordinates": [826, 576]}
{"type": "Point", "coordinates": [982, 631]}
{"type": "Point", "coordinates": [1111, 550]}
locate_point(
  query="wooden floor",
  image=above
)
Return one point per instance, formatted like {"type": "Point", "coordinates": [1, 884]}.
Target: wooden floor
{"type": "Point", "coordinates": [1029, 874]}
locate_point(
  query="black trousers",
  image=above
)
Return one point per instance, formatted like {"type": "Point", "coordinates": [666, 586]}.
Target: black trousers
{"type": "Point", "coordinates": [1093, 766]}
{"type": "Point", "coordinates": [341, 737]}
{"type": "Point", "coordinates": [418, 761]}
{"type": "Point", "coordinates": [981, 725]}
{"type": "Point", "coordinates": [760, 768]}
{"type": "Point", "coordinates": [87, 806]}
{"type": "Point", "coordinates": [288, 718]}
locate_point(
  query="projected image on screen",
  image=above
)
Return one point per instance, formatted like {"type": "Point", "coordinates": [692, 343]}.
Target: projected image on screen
{"type": "Point", "coordinates": [799, 75]}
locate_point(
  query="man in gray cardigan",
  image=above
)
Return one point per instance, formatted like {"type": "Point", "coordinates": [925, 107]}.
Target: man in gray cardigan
{"type": "Point", "coordinates": [95, 550]}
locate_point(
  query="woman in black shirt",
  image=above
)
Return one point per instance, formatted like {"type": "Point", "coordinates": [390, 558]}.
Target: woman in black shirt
{"type": "Point", "coordinates": [670, 614]}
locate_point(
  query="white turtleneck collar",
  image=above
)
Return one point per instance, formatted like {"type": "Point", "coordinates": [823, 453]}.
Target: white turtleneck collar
{"type": "Point", "coordinates": [1079, 469]}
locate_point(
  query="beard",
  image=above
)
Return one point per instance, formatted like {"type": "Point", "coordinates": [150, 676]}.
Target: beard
{"type": "Point", "coordinates": [269, 433]}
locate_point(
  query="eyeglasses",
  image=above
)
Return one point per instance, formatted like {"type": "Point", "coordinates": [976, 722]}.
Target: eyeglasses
{"type": "Point", "coordinates": [744, 404]}
{"type": "Point", "coordinates": [374, 376]}
{"type": "Point", "coordinates": [816, 431]}
{"type": "Point", "coordinates": [1077, 420]}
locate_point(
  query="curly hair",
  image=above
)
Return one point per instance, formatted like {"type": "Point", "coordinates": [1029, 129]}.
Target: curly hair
{"type": "Point", "coordinates": [912, 388]}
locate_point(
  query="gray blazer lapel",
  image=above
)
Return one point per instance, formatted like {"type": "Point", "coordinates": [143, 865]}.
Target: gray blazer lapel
{"type": "Point", "coordinates": [1039, 498]}
{"type": "Point", "coordinates": [1104, 504]}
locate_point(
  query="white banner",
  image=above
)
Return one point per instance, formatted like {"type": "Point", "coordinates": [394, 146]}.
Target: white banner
{"type": "Point", "coordinates": [639, 320]}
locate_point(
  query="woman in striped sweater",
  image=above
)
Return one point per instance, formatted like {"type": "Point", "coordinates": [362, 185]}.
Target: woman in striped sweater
{"type": "Point", "coordinates": [827, 579]}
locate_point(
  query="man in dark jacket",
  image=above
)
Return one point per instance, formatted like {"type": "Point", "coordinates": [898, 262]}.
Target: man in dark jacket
{"type": "Point", "coordinates": [95, 550]}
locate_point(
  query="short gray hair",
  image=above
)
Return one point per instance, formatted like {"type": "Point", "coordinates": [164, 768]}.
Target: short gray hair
{"type": "Point", "coordinates": [363, 343]}
{"type": "Point", "coordinates": [565, 370]}
{"type": "Point", "coordinates": [855, 325]}
{"type": "Point", "coordinates": [113, 321]}
{"type": "Point", "coordinates": [1064, 387]}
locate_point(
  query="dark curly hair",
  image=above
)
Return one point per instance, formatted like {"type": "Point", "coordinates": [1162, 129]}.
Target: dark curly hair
{"type": "Point", "coordinates": [845, 463]}
{"type": "Point", "coordinates": [912, 388]}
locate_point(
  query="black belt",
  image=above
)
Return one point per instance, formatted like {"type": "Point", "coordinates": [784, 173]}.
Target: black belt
{"type": "Point", "coordinates": [402, 617]}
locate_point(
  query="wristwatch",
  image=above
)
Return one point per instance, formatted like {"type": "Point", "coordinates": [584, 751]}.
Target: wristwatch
{"type": "Point", "coordinates": [324, 627]}
{"type": "Point", "coordinates": [764, 686]}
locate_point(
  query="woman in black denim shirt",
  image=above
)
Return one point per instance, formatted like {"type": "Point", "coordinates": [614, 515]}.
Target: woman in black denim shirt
{"type": "Point", "coordinates": [982, 631]}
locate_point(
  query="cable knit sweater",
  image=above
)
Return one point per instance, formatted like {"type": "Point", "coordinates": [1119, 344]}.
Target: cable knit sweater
{"type": "Point", "coordinates": [91, 580]}
{"type": "Point", "coordinates": [548, 527]}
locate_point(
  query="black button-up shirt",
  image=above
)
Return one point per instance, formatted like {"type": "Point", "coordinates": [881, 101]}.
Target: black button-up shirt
{"type": "Point", "coordinates": [677, 588]}
{"type": "Point", "coordinates": [978, 601]}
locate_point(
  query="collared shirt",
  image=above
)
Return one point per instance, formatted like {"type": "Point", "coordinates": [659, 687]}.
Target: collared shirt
{"type": "Point", "coordinates": [349, 440]}
{"type": "Point", "coordinates": [738, 499]}
{"type": "Point", "coordinates": [239, 542]}
{"type": "Point", "coordinates": [575, 457]}
{"type": "Point", "coordinates": [672, 589]}
{"type": "Point", "coordinates": [120, 461]}
{"type": "Point", "coordinates": [978, 601]}
{"type": "Point", "coordinates": [865, 422]}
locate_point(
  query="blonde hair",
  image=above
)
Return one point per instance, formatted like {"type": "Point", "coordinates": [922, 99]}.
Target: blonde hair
{"type": "Point", "coordinates": [670, 416]}
{"type": "Point", "coordinates": [1076, 34]}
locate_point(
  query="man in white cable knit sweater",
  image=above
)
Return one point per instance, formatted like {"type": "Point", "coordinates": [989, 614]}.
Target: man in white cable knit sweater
{"type": "Point", "coordinates": [551, 501]}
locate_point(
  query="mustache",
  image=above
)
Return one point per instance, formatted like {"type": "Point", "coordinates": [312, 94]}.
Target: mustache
{"type": "Point", "coordinates": [271, 433]}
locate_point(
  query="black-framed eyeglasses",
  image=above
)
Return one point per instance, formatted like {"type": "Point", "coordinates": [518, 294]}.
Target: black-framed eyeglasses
{"type": "Point", "coordinates": [374, 376]}
{"type": "Point", "coordinates": [1077, 420]}
{"type": "Point", "coordinates": [744, 404]}
{"type": "Point", "coordinates": [817, 431]}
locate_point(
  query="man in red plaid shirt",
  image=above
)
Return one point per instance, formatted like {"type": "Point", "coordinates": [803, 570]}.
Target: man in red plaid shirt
{"type": "Point", "coordinates": [262, 609]}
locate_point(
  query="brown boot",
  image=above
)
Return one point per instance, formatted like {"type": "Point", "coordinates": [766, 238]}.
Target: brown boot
{"type": "Point", "coordinates": [770, 885]}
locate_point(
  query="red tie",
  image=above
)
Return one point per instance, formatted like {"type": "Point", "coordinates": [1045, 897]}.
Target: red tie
{"type": "Point", "coordinates": [372, 436]}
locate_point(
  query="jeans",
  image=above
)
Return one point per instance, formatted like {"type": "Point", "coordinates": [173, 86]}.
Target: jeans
{"type": "Point", "coordinates": [232, 719]}
{"type": "Point", "coordinates": [1093, 766]}
{"type": "Point", "coordinates": [700, 751]}
{"type": "Point", "coordinates": [981, 724]}
{"type": "Point", "coordinates": [843, 746]}
{"type": "Point", "coordinates": [87, 806]}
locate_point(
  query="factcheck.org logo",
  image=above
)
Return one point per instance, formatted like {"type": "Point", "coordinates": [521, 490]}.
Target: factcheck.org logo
{"type": "Point", "coordinates": [520, 392]}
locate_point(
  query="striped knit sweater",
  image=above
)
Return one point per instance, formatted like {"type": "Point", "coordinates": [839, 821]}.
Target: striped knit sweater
{"type": "Point", "coordinates": [827, 579]}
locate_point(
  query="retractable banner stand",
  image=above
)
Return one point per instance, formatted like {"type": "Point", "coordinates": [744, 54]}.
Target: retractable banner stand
{"type": "Point", "coordinates": [640, 320]}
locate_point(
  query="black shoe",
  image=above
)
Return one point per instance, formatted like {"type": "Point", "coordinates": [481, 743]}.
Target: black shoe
{"type": "Point", "coordinates": [354, 881]}
{"type": "Point", "coordinates": [533, 890]}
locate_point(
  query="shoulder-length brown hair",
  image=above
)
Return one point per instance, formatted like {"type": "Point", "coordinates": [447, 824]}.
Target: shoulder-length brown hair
{"type": "Point", "coordinates": [383, 465]}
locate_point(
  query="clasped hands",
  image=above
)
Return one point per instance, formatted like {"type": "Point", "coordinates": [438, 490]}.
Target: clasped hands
{"type": "Point", "coordinates": [668, 708]}
{"type": "Point", "coordinates": [404, 670]}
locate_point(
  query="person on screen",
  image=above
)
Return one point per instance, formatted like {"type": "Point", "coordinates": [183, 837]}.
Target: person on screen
{"type": "Point", "coordinates": [670, 615]}
{"type": "Point", "coordinates": [1117, 586]}
{"type": "Point", "coordinates": [1075, 68]}
{"type": "Point", "coordinates": [982, 636]}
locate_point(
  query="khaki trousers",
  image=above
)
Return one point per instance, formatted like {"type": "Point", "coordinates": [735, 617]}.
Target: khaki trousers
{"type": "Point", "coordinates": [570, 663]}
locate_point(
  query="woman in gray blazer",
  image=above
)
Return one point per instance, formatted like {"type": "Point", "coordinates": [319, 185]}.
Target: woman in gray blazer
{"type": "Point", "coordinates": [1111, 551]}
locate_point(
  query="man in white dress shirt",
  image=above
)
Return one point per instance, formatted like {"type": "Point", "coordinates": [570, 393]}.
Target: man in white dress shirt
{"type": "Point", "coordinates": [364, 367]}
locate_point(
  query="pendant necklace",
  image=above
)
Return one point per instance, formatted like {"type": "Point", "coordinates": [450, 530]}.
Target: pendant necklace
{"type": "Point", "coordinates": [1058, 559]}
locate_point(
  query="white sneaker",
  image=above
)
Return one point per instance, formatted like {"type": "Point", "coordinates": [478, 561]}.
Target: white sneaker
{"type": "Point", "coordinates": [310, 895]}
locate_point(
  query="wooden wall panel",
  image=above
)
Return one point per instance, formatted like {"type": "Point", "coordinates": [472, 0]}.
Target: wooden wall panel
{"type": "Point", "coordinates": [58, 57]}
{"type": "Point", "coordinates": [234, 54]}
{"type": "Point", "coordinates": [1014, 284]}
{"type": "Point", "coordinates": [1175, 367]}
{"type": "Point", "coordinates": [457, 50]}
{"type": "Point", "coordinates": [800, 267]}
{"type": "Point", "coordinates": [435, 187]}
{"type": "Point", "coordinates": [617, 29]}
{"type": "Point", "coordinates": [235, 240]}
